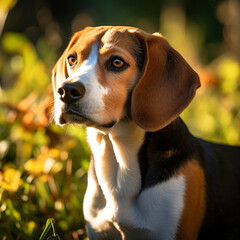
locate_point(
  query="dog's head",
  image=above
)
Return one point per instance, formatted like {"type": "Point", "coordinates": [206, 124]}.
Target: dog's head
{"type": "Point", "coordinates": [105, 71]}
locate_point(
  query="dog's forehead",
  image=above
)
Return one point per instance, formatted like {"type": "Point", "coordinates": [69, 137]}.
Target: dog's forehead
{"type": "Point", "coordinates": [120, 37]}
{"type": "Point", "coordinates": [114, 33]}
{"type": "Point", "coordinates": [82, 41]}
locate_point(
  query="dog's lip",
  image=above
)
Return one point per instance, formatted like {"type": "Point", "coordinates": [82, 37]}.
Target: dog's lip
{"type": "Point", "coordinates": [71, 116]}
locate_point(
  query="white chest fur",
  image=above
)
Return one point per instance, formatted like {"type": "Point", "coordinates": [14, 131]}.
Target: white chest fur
{"type": "Point", "coordinates": [157, 209]}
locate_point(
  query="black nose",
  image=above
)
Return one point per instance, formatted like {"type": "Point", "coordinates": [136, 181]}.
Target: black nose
{"type": "Point", "coordinates": [71, 92]}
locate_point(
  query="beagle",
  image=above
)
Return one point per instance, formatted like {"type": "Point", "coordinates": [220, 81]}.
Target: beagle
{"type": "Point", "coordinates": [149, 178]}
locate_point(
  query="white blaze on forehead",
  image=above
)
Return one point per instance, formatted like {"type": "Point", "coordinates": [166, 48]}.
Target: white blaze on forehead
{"type": "Point", "coordinates": [87, 69]}
{"type": "Point", "coordinates": [108, 45]}
{"type": "Point", "coordinates": [132, 30]}
{"type": "Point", "coordinates": [87, 75]}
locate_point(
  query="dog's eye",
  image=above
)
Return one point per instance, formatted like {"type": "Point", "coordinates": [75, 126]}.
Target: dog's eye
{"type": "Point", "coordinates": [72, 60]}
{"type": "Point", "coordinates": [116, 64]}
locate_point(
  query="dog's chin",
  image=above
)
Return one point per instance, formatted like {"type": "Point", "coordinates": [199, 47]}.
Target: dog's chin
{"type": "Point", "coordinates": [70, 117]}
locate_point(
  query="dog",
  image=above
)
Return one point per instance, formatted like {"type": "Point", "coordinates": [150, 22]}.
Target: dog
{"type": "Point", "coordinates": [149, 177]}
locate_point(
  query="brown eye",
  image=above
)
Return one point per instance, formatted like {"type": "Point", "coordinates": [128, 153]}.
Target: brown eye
{"type": "Point", "coordinates": [118, 63]}
{"type": "Point", "coordinates": [72, 60]}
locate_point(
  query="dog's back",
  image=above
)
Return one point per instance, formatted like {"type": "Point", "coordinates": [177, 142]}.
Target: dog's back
{"type": "Point", "coordinates": [222, 176]}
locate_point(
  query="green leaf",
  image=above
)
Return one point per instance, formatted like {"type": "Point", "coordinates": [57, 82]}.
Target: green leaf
{"type": "Point", "coordinates": [46, 229]}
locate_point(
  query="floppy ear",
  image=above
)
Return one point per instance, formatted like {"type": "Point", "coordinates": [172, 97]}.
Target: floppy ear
{"type": "Point", "coordinates": [166, 87]}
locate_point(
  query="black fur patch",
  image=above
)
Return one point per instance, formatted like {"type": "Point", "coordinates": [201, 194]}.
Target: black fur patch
{"type": "Point", "coordinates": [164, 152]}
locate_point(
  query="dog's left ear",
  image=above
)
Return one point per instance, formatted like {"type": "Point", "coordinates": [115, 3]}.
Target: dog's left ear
{"type": "Point", "coordinates": [166, 87]}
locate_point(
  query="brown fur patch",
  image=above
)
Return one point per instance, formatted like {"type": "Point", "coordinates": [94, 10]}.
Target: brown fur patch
{"type": "Point", "coordinates": [54, 78]}
{"type": "Point", "coordinates": [195, 201]}
{"type": "Point", "coordinates": [65, 70]}
{"type": "Point", "coordinates": [74, 39]}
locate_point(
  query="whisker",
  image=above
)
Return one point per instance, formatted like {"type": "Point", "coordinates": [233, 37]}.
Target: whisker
{"type": "Point", "coordinates": [51, 118]}
{"type": "Point", "coordinates": [67, 129]}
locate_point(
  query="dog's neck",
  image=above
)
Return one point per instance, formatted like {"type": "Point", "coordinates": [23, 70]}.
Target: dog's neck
{"type": "Point", "coordinates": [116, 164]}
{"type": "Point", "coordinates": [125, 162]}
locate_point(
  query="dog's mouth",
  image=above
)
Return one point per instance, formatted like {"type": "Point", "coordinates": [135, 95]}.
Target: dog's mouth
{"type": "Point", "coordinates": [73, 117]}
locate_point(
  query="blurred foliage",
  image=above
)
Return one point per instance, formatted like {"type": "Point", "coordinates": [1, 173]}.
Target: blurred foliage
{"type": "Point", "coordinates": [38, 178]}
{"type": "Point", "coordinates": [6, 5]}
{"type": "Point", "coordinates": [43, 167]}
{"type": "Point", "coordinates": [215, 111]}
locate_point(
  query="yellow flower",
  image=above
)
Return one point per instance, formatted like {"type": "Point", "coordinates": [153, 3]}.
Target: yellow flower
{"type": "Point", "coordinates": [10, 179]}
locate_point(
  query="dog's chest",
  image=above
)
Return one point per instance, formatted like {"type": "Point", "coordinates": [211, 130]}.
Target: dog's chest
{"type": "Point", "coordinates": [113, 204]}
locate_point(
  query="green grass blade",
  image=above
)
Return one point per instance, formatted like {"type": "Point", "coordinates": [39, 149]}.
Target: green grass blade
{"type": "Point", "coordinates": [46, 229]}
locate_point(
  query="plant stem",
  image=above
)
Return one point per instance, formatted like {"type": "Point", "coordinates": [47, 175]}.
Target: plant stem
{"type": "Point", "coordinates": [54, 234]}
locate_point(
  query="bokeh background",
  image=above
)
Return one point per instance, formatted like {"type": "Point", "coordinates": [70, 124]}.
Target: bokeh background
{"type": "Point", "coordinates": [43, 168]}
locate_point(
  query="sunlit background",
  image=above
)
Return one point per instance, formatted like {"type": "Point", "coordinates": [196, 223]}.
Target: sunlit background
{"type": "Point", "coordinates": [43, 167]}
